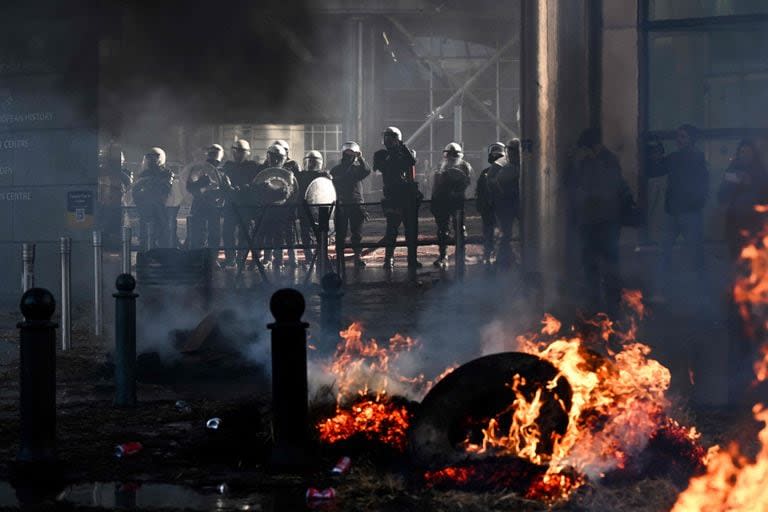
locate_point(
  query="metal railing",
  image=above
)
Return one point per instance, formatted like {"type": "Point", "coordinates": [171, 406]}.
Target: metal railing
{"type": "Point", "coordinates": [372, 240]}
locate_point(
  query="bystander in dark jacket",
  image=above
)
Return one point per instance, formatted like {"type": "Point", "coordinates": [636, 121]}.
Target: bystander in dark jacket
{"type": "Point", "coordinates": [744, 186]}
{"type": "Point", "coordinates": [599, 202]}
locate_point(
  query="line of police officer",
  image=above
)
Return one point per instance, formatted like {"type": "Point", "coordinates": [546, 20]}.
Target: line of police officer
{"type": "Point", "coordinates": [250, 195]}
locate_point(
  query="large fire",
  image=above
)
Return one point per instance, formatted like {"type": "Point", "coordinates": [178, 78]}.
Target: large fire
{"type": "Point", "coordinates": [619, 404]}
{"type": "Point", "coordinates": [733, 482]}
{"type": "Point", "coordinates": [365, 373]}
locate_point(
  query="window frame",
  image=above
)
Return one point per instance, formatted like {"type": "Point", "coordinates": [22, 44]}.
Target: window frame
{"type": "Point", "coordinates": [646, 28]}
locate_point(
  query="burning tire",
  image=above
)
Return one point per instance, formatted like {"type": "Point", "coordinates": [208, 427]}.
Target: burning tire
{"type": "Point", "coordinates": [458, 406]}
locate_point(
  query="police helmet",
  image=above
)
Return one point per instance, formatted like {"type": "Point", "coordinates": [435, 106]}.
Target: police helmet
{"type": "Point", "coordinates": [284, 144]}
{"type": "Point", "coordinates": [454, 148]}
{"type": "Point", "coordinates": [242, 145]}
{"type": "Point", "coordinates": [394, 131]}
{"type": "Point", "coordinates": [350, 145]}
{"type": "Point", "coordinates": [158, 153]}
{"type": "Point", "coordinates": [496, 147]}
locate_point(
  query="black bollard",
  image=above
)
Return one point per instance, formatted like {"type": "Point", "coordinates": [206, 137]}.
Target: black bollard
{"type": "Point", "coordinates": [330, 309]}
{"type": "Point", "coordinates": [37, 397]}
{"type": "Point", "coordinates": [125, 341]}
{"type": "Point", "coordinates": [289, 380]}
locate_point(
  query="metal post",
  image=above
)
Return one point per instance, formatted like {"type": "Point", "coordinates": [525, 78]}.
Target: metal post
{"type": "Point", "coordinates": [341, 246]}
{"type": "Point", "coordinates": [330, 309]}
{"type": "Point", "coordinates": [37, 396]}
{"type": "Point", "coordinates": [188, 239]}
{"type": "Point", "coordinates": [125, 341]}
{"type": "Point", "coordinates": [412, 230]}
{"type": "Point", "coordinates": [324, 218]}
{"type": "Point", "coordinates": [460, 254]}
{"type": "Point", "coordinates": [28, 266]}
{"type": "Point", "coordinates": [65, 250]}
{"type": "Point", "coordinates": [289, 379]}
{"type": "Point", "coordinates": [458, 123]}
{"type": "Point", "coordinates": [148, 234]}
{"type": "Point", "coordinates": [126, 250]}
{"type": "Point", "coordinates": [98, 283]}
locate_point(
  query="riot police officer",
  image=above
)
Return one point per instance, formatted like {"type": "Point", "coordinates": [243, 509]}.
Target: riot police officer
{"type": "Point", "coordinates": [240, 171]}
{"type": "Point", "coordinates": [313, 169]}
{"type": "Point", "coordinates": [150, 193]}
{"type": "Point", "coordinates": [348, 176]}
{"type": "Point", "coordinates": [484, 202]}
{"type": "Point", "coordinates": [207, 184]}
{"type": "Point", "coordinates": [396, 163]}
{"type": "Point", "coordinates": [504, 186]}
{"type": "Point", "coordinates": [275, 189]}
{"type": "Point", "coordinates": [288, 165]}
{"type": "Point", "coordinates": [450, 183]}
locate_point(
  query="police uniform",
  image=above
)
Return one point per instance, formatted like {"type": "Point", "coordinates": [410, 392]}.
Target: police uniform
{"type": "Point", "coordinates": [347, 180]}
{"type": "Point", "coordinates": [150, 193]}
{"type": "Point", "coordinates": [395, 166]}
{"type": "Point", "coordinates": [448, 197]}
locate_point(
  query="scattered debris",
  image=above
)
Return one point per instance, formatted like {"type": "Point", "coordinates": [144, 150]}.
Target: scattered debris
{"type": "Point", "coordinates": [342, 466]}
{"type": "Point", "coordinates": [321, 494]}
{"type": "Point", "coordinates": [126, 449]}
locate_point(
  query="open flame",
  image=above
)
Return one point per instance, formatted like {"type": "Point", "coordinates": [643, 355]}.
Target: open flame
{"type": "Point", "coordinates": [619, 403]}
{"type": "Point", "coordinates": [619, 395]}
{"type": "Point", "coordinates": [733, 482]}
{"type": "Point", "coordinates": [373, 418]}
{"type": "Point", "coordinates": [366, 374]}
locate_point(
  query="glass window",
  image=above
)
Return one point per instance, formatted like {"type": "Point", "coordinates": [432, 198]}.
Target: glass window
{"type": "Point", "coordinates": [677, 9]}
{"type": "Point", "coordinates": [714, 78]}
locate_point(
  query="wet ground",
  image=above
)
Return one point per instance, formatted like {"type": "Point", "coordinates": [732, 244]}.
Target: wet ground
{"type": "Point", "coordinates": [184, 465]}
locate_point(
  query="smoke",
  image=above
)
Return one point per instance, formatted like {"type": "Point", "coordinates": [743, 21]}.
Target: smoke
{"type": "Point", "coordinates": [458, 323]}
{"type": "Point", "coordinates": [169, 317]}
{"type": "Point", "coordinates": [467, 320]}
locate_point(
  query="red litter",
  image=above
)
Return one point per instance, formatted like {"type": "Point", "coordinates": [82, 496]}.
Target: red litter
{"type": "Point", "coordinates": [126, 449]}
{"type": "Point", "coordinates": [321, 494]}
{"type": "Point", "coordinates": [342, 466]}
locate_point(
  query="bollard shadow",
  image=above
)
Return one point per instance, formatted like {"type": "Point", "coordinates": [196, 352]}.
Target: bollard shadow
{"type": "Point", "coordinates": [37, 483]}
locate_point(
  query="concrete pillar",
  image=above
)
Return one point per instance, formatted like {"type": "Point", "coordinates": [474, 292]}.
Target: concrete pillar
{"type": "Point", "coordinates": [556, 105]}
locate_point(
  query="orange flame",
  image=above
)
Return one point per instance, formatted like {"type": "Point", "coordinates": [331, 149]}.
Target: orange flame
{"type": "Point", "coordinates": [375, 420]}
{"type": "Point", "coordinates": [733, 482]}
{"type": "Point", "coordinates": [619, 401]}
{"type": "Point", "coordinates": [365, 374]}
{"type": "Point", "coordinates": [523, 436]}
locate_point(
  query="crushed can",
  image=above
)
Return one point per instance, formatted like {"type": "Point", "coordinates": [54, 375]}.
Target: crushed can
{"type": "Point", "coordinates": [321, 494]}
{"type": "Point", "coordinates": [342, 466]}
{"type": "Point", "coordinates": [213, 423]}
{"type": "Point", "coordinates": [126, 449]}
